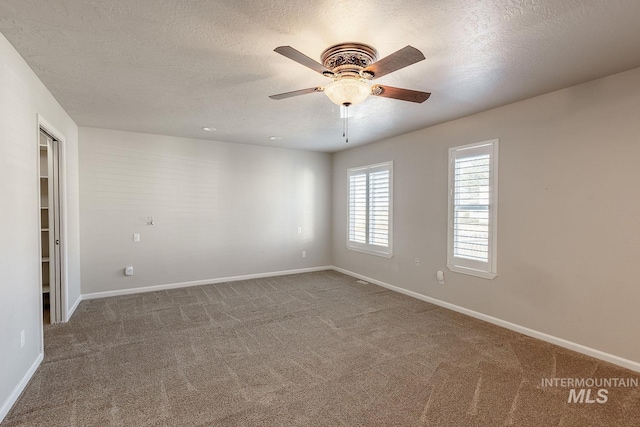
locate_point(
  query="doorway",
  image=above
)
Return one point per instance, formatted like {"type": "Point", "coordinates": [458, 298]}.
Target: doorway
{"type": "Point", "coordinates": [51, 227]}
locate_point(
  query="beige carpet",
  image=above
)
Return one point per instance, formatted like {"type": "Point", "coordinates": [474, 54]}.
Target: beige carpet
{"type": "Point", "coordinates": [303, 350]}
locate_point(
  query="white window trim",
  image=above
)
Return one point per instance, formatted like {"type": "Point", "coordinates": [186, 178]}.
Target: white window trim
{"type": "Point", "coordinates": [386, 252]}
{"type": "Point", "coordinates": [489, 270]}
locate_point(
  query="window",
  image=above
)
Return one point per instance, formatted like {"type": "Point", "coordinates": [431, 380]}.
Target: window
{"type": "Point", "coordinates": [370, 209]}
{"type": "Point", "coordinates": [473, 202]}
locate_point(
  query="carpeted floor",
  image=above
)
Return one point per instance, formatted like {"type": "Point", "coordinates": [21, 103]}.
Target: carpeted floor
{"type": "Point", "coordinates": [303, 350]}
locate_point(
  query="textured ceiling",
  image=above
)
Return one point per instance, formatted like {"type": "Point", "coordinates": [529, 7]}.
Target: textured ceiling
{"type": "Point", "coordinates": [172, 66]}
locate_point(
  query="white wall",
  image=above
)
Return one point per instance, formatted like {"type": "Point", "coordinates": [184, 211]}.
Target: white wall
{"type": "Point", "coordinates": [220, 210]}
{"type": "Point", "coordinates": [22, 98]}
{"type": "Point", "coordinates": [569, 214]}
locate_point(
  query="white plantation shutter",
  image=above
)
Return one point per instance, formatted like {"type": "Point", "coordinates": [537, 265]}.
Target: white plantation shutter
{"type": "Point", "coordinates": [472, 208]}
{"type": "Point", "coordinates": [358, 208]}
{"type": "Point", "coordinates": [370, 201]}
{"type": "Point", "coordinates": [379, 205]}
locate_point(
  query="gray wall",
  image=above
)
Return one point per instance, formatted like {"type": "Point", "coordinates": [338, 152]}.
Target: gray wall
{"type": "Point", "coordinates": [22, 97]}
{"type": "Point", "coordinates": [568, 217]}
{"type": "Point", "coordinates": [220, 209]}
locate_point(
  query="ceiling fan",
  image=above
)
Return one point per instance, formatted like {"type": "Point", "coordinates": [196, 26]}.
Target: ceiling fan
{"type": "Point", "coordinates": [351, 65]}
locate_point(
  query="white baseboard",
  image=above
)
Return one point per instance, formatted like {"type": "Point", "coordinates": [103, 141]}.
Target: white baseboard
{"type": "Point", "coordinates": [13, 397]}
{"type": "Point", "coordinates": [154, 288]}
{"type": "Point", "coordinates": [73, 308]}
{"type": "Point", "coordinates": [607, 357]}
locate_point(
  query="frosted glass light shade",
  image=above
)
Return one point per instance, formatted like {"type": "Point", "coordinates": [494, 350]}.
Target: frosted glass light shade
{"type": "Point", "coordinates": [347, 91]}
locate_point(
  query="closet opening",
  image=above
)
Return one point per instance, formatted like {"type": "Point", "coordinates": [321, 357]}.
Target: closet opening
{"type": "Point", "coordinates": [51, 228]}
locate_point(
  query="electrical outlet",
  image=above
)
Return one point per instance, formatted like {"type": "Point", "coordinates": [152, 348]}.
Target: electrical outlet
{"type": "Point", "coordinates": [304, 254]}
{"type": "Point", "coordinates": [417, 262]}
{"type": "Point", "coordinates": [136, 237]}
{"type": "Point", "coordinates": [128, 271]}
{"type": "Point", "coordinates": [23, 340]}
{"type": "Point", "coordinates": [299, 230]}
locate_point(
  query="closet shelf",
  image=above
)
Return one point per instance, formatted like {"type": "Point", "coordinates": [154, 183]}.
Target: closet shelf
{"type": "Point", "coordinates": [45, 259]}
{"type": "Point", "coordinates": [45, 289]}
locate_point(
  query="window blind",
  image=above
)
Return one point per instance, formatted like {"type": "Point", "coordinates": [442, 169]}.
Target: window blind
{"type": "Point", "coordinates": [370, 201]}
{"type": "Point", "coordinates": [358, 208]}
{"type": "Point", "coordinates": [379, 208]}
{"type": "Point", "coordinates": [472, 209]}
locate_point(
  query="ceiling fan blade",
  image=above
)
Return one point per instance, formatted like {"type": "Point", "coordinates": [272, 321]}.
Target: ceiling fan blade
{"type": "Point", "coordinates": [301, 58]}
{"type": "Point", "coordinates": [404, 57]}
{"type": "Point", "coordinates": [296, 93]}
{"type": "Point", "coordinates": [398, 93]}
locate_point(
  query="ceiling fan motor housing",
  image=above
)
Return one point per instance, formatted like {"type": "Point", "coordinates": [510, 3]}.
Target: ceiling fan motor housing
{"type": "Point", "coordinates": [347, 60]}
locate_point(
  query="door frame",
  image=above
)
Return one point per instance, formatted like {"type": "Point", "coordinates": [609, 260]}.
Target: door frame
{"type": "Point", "coordinates": [46, 127]}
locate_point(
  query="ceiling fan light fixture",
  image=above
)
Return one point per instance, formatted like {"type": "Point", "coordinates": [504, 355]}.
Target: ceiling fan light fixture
{"type": "Point", "coordinates": [347, 91]}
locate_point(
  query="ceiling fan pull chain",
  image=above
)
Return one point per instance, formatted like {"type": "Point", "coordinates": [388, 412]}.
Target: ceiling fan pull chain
{"type": "Point", "coordinates": [346, 121]}
{"type": "Point", "coordinates": [345, 124]}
